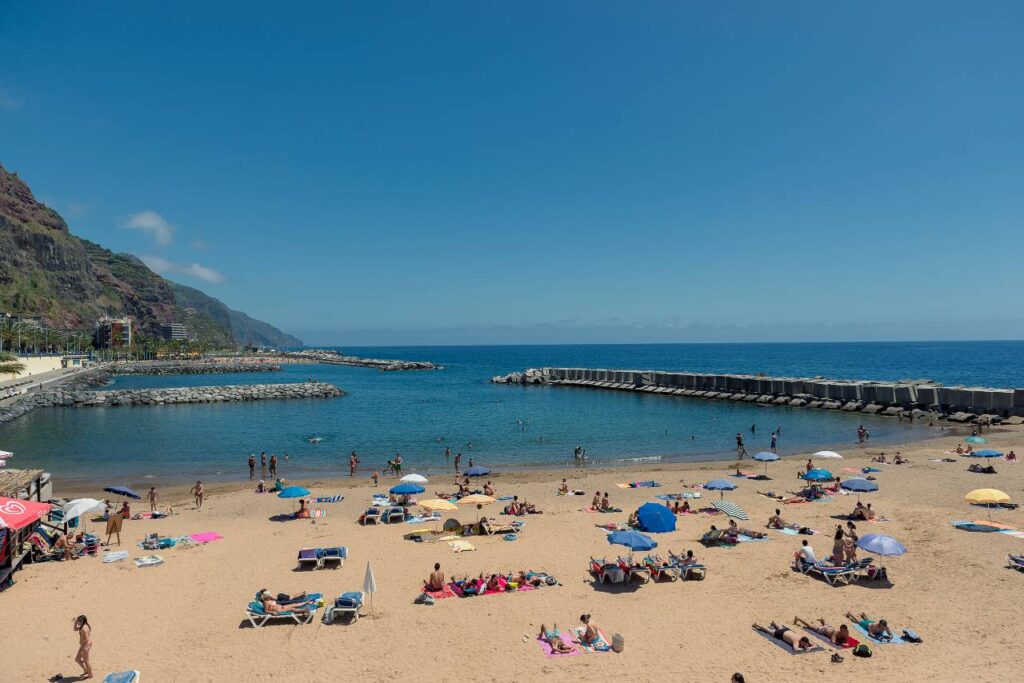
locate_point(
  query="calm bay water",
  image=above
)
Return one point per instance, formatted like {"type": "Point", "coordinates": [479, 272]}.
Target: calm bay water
{"type": "Point", "coordinates": [419, 413]}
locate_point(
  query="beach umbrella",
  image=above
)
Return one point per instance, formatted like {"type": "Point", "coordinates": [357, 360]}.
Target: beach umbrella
{"type": "Point", "coordinates": [882, 545]}
{"type": "Point", "coordinates": [415, 478]}
{"type": "Point", "coordinates": [293, 492]}
{"type": "Point", "coordinates": [859, 486]}
{"type": "Point", "coordinates": [369, 584]}
{"type": "Point", "coordinates": [407, 489]}
{"type": "Point", "coordinates": [828, 455]}
{"type": "Point", "coordinates": [633, 540]}
{"type": "Point", "coordinates": [986, 453]}
{"type": "Point", "coordinates": [18, 514]}
{"type": "Point", "coordinates": [731, 509]}
{"type": "Point", "coordinates": [477, 471]}
{"type": "Point", "coordinates": [123, 491]}
{"type": "Point", "coordinates": [976, 439]}
{"type": "Point", "coordinates": [80, 506]}
{"type": "Point", "coordinates": [817, 474]}
{"type": "Point", "coordinates": [722, 485]}
{"type": "Point", "coordinates": [475, 499]}
{"type": "Point", "coordinates": [655, 518]}
{"type": "Point", "coordinates": [437, 504]}
{"type": "Point", "coordinates": [766, 457]}
{"type": "Point", "coordinates": [987, 497]}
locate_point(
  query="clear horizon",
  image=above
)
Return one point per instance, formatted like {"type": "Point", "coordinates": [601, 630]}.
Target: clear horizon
{"type": "Point", "coordinates": [399, 174]}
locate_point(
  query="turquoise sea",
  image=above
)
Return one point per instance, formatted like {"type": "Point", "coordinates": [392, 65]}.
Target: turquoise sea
{"type": "Point", "coordinates": [419, 413]}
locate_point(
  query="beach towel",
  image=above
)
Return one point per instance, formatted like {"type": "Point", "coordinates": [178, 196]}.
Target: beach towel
{"type": "Point", "coordinates": [687, 495]}
{"type": "Point", "coordinates": [206, 537]}
{"type": "Point", "coordinates": [461, 546]}
{"type": "Point", "coordinates": [441, 594]}
{"type": "Point", "coordinates": [848, 645]}
{"type": "Point", "coordinates": [148, 561]}
{"type": "Point", "coordinates": [551, 654]}
{"type": "Point", "coordinates": [786, 647]}
{"type": "Point", "coordinates": [743, 538]}
{"type": "Point", "coordinates": [896, 639]}
{"type": "Point", "coordinates": [602, 644]}
{"type": "Point", "coordinates": [1013, 532]}
{"type": "Point", "coordinates": [507, 498]}
{"type": "Point", "coordinates": [795, 532]}
{"type": "Point", "coordinates": [419, 519]}
{"type": "Point", "coordinates": [329, 499]}
{"type": "Point", "coordinates": [121, 677]}
{"type": "Point", "coordinates": [115, 556]}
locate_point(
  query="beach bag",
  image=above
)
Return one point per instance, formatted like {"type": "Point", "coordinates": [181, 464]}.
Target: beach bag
{"type": "Point", "coordinates": [862, 650]}
{"type": "Point", "coordinates": [423, 599]}
{"type": "Point", "coordinates": [911, 636]}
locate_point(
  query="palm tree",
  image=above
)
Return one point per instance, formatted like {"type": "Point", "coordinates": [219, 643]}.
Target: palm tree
{"type": "Point", "coordinates": [10, 365]}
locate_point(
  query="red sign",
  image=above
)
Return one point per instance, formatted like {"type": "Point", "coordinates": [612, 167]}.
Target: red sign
{"type": "Point", "coordinates": [18, 514]}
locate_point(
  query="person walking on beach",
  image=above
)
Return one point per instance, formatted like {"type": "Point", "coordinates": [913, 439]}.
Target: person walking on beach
{"type": "Point", "coordinates": [198, 491]}
{"type": "Point", "coordinates": [741, 450]}
{"type": "Point", "coordinates": [775, 442]}
{"type": "Point", "coordinates": [263, 465]}
{"type": "Point", "coordinates": [458, 462]}
{"type": "Point", "coordinates": [153, 497]}
{"type": "Point", "coordinates": [860, 434]}
{"type": "Point", "coordinates": [84, 645]}
{"type": "Point", "coordinates": [353, 460]}
{"type": "Point", "coordinates": [252, 466]}
{"type": "Point", "coordinates": [273, 465]}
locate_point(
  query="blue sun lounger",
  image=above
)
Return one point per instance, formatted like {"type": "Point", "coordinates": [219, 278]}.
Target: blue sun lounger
{"type": "Point", "coordinates": [329, 555]}
{"type": "Point", "coordinates": [260, 617]}
{"type": "Point", "coordinates": [346, 603]}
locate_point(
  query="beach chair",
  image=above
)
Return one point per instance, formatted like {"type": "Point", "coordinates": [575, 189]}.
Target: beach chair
{"type": "Point", "coordinates": [373, 516]}
{"type": "Point", "coordinates": [346, 603]}
{"type": "Point", "coordinates": [309, 557]}
{"type": "Point", "coordinates": [688, 570]}
{"type": "Point", "coordinates": [712, 538]}
{"type": "Point", "coordinates": [660, 569]}
{"type": "Point", "coordinates": [333, 555]}
{"type": "Point", "coordinates": [259, 617]}
{"type": "Point", "coordinates": [394, 515]}
{"type": "Point", "coordinates": [607, 572]}
{"type": "Point", "coordinates": [634, 570]}
{"type": "Point", "coordinates": [833, 576]}
{"type": "Point", "coordinates": [492, 529]}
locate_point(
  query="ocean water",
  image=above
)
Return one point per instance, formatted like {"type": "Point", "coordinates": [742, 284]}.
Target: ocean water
{"type": "Point", "coordinates": [509, 427]}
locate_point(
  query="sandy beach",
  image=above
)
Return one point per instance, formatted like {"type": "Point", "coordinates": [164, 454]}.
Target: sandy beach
{"type": "Point", "coordinates": [185, 621]}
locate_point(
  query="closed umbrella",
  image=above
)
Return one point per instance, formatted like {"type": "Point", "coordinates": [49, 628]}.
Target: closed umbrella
{"type": "Point", "coordinates": [477, 471]}
{"type": "Point", "coordinates": [369, 584]}
{"type": "Point", "coordinates": [415, 478]}
{"type": "Point", "coordinates": [828, 455]}
{"type": "Point", "coordinates": [123, 491]}
{"type": "Point", "coordinates": [976, 439]}
{"type": "Point", "coordinates": [722, 485]}
{"type": "Point", "coordinates": [633, 540]}
{"type": "Point", "coordinates": [859, 486]}
{"type": "Point", "coordinates": [817, 474]}
{"type": "Point", "coordinates": [766, 457]}
{"type": "Point", "coordinates": [986, 453]}
{"type": "Point", "coordinates": [407, 489]}
{"type": "Point", "coordinates": [731, 509]}
{"type": "Point", "coordinates": [655, 518]}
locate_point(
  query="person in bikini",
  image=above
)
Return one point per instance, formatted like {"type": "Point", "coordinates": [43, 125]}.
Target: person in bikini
{"type": "Point", "coordinates": [840, 636]}
{"type": "Point", "coordinates": [786, 635]}
{"type": "Point", "coordinates": [84, 645]}
{"type": "Point", "coordinates": [591, 635]}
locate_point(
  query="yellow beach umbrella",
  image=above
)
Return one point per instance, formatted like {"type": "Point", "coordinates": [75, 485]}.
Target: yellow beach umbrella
{"type": "Point", "coordinates": [987, 497]}
{"type": "Point", "coordinates": [476, 499]}
{"type": "Point", "coordinates": [437, 504]}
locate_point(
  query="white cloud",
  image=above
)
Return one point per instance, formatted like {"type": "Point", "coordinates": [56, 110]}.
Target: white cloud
{"type": "Point", "coordinates": [199, 244]}
{"type": "Point", "coordinates": [8, 102]}
{"type": "Point", "coordinates": [152, 224]}
{"type": "Point", "coordinates": [193, 270]}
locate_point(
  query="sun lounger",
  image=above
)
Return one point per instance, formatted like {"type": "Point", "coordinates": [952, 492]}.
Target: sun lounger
{"type": "Point", "coordinates": [660, 569]}
{"type": "Point", "coordinates": [607, 572]}
{"type": "Point", "coordinates": [394, 515]}
{"type": "Point", "coordinates": [634, 570]}
{"type": "Point", "coordinates": [833, 575]}
{"type": "Point", "coordinates": [333, 555]}
{"type": "Point", "coordinates": [373, 516]}
{"type": "Point", "coordinates": [492, 529]}
{"type": "Point", "coordinates": [260, 617]}
{"type": "Point", "coordinates": [716, 538]}
{"type": "Point", "coordinates": [686, 569]}
{"type": "Point", "coordinates": [346, 603]}
{"type": "Point", "coordinates": [308, 557]}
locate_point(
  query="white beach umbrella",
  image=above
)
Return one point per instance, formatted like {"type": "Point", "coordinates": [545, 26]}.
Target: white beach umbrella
{"type": "Point", "coordinates": [80, 506]}
{"type": "Point", "coordinates": [828, 455]}
{"type": "Point", "coordinates": [370, 584]}
{"type": "Point", "coordinates": [415, 478]}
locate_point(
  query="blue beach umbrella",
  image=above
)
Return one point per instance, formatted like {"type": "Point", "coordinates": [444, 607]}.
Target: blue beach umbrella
{"type": "Point", "coordinates": [986, 453]}
{"type": "Point", "coordinates": [766, 457]}
{"type": "Point", "coordinates": [406, 489]}
{"type": "Point", "coordinates": [859, 486]}
{"type": "Point", "coordinates": [976, 439]}
{"type": "Point", "coordinates": [633, 540]}
{"type": "Point", "coordinates": [722, 485]}
{"type": "Point", "coordinates": [122, 491]}
{"type": "Point", "coordinates": [882, 545]}
{"type": "Point", "coordinates": [477, 471]}
{"type": "Point", "coordinates": [654, 518]}
{"type": "Point", "coordinates": [293, 492]}
{"type": "Point", "coordinates": [818, 474]}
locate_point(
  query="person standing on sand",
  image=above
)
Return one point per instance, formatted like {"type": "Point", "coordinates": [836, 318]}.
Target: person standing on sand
{"type": "Point", "coordinates": [353, 460]}
{"type": "Point", "coordinates": [198, 491]}
{"type": "Point", "coordinates": [458, 461]}
{"type": "Point", "coordinates": [252, 466]}
{"type": "Point", "coordinates": [273, 465]}
{"type": "Point", "coordinates": [84, 645]}
{"type": "Point", "coordinates": [263, 465]}
{"type": "Point", "coordinates": [153, 497]}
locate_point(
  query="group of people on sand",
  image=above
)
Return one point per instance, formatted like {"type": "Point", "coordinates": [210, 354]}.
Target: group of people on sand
{"type": "Point", "coordinates": [896, 460]}
{"type": "Point", "coordinates": [777, 521]}
{"type": "Point", "coordinates": [731, 534]}
{"type": "Point", "coordinates": [280, 484]}
{"type": "Point", "coordinates": [602, 503]}
{"type": "Point", "coordinates": [863, 512]}
{"type": "Point", "coordinates": [462, 490]}
{"type": "Point", "coordinates": [836, 635]}
{"type": "Point", "coordinates": [518, 507]}
{"type": "Point", "coordinates": [588, 635]}
{"type": "Point", "coordinates": [481, 584]}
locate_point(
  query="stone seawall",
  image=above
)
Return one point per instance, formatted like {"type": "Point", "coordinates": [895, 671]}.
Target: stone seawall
{"type": "Point", "coordinates": [383, 364]}
{"type": "Point", "coordinates": [188, 368]}
{"type": "Point", "coordinates": [913, 399]}
{"type": "Point", "coordinates": [217, 394]}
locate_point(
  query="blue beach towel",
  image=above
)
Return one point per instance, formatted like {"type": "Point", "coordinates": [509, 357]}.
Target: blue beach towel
{"type": "Point", "coordinates": [896, 639]}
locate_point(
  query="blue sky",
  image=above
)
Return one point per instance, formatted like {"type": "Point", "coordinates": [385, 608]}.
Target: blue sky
{"type": "Point", "coordinates": [469, 171]}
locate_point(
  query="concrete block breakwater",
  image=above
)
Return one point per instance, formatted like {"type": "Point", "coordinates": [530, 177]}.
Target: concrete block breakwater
{"type": "Point", "coordinates": [188, 368]}
{"type": "Point", "coordinates": [383, 364]}
{"type": "Point", "coordinates": [217, 394]}
{"type": "Point", "coordinates": [914, 399]}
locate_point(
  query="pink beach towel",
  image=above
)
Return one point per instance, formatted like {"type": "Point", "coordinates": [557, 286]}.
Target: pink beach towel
{"type": "Point", "coordinates": [441, 594]}
{"type": "Point", "coordinates": [206, 537]}
{"type": "Point", "coordinates": [551, 654]}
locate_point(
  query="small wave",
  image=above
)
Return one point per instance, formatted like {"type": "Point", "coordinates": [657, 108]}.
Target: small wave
{"type": "Point", "coordinates": [645, 458]}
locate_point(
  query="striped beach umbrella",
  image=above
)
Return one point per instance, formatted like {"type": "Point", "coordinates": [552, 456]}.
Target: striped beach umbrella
{"type": "Point", "coordinates": [731, 509]}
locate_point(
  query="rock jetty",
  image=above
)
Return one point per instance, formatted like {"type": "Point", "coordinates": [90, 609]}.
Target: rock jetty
{"type": "Point", "coordinates": [189, 367]}
{"type": "Point", "coordinates": [917, 399]}
{"type": "Point", "coordinates": [216, 394]}
{"type": "Point", "coordinates": [383, 364]}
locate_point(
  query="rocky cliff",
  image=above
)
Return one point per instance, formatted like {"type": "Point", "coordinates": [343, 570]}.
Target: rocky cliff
{"type": "Point", "coordinates": [68, 282]}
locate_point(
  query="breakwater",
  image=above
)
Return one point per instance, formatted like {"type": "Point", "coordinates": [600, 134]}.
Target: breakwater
{"type": "Point", "coordinates": [383, 364]}
{"type": "Point", "coordinates": [913, 399]}
{"type": "Point", "coordinates": [203, 367]}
